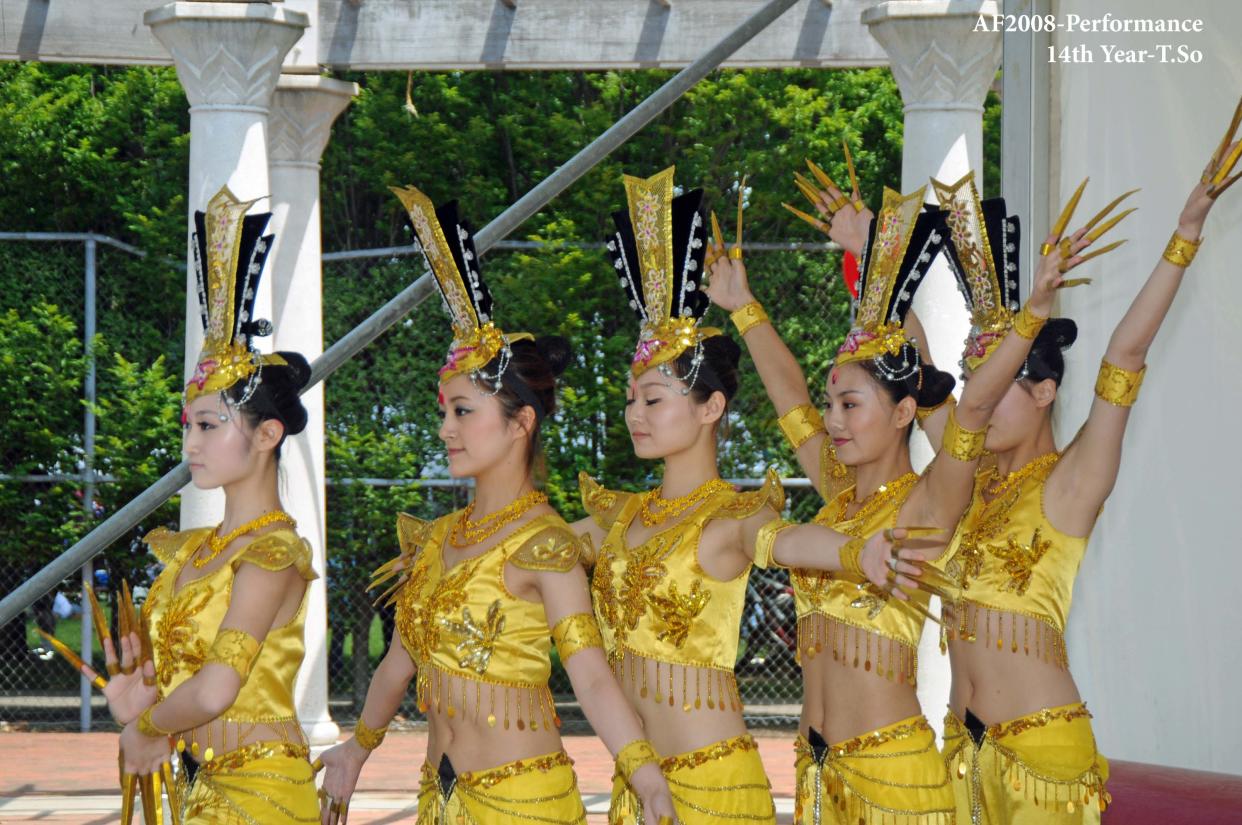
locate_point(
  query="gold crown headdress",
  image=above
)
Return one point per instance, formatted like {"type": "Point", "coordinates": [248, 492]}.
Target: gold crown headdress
{"type": "Point", "coordinates": [658, 252]}
{"type": "Point", "coordinates": [447, 245]}
{"type": "Point", "coordinates": [903, 241]}
{"type": "Point", "coordinates": [229, 251]}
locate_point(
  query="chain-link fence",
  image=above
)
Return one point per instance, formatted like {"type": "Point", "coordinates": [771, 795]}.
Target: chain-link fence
{"type": "Point", "coordinates": [383, 452]}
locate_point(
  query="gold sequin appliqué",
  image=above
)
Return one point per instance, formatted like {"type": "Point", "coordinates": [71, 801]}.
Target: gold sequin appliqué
{"type": "Point", "coordinates": [644, 570]}
{"type": "Point", "coordinates": [1020, 559]}
{"type": "Point", "coordinates": [477, 640]}
{"type": "Point", "coordinates": [179, 645]}
{"type": "Point", "coordinates": [678, 611]}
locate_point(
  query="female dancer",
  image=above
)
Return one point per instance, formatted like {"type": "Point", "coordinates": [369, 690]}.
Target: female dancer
{"type": "Point", "coordinates": [226, 613]}
{"type": "Point", "coordinates": [1018, 740]}
{"type": "Point", "coordinates": [670, 578]}
{"type": "Point", "coordinates": [866, 752]}
{"type": "Point", "coordinates": [477, 594]}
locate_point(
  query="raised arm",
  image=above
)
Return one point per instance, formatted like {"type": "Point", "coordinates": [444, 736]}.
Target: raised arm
{"type": "Point", "coordinates": [1088, 469]}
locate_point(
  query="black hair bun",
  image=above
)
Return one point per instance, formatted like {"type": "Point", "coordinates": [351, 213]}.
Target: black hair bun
{"type": "Point", "coordinates": [936, 386]}
{"type": "Point", "coordinates": [556, 351]}
{"type": "Point", "coordinates": [285, 384]}
{"type": "Point", "coordinates": [299, 369]}
{"type": "Point", "coordinates": [1058, 332]}
{"type": "Point", "coordinates": [725, 347]}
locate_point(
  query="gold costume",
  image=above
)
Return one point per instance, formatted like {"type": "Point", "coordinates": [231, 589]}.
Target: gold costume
{"type": "Point", "coordinates": [483, 654]}
{"type": "Point", "coordinates": [1014, 568]}
{"type": "Point", "coordinates": [654, 603]}
{"type": "Point", "coordinates": [252, 762]}
{"type": "Point", "coordinates": [892, 774]}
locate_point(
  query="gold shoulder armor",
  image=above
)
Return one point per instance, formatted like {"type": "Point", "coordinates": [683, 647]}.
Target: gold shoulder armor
{"type": "Point", "coordinates": [276, 551]}
{"type": "Point", "coordinates": [745, 505]}
{"type": "Point", "coordinates": [602, 504]}
{"type": "Point", "coordinates": [165, 544]}
{"type": "Point", "coordinates": [555, 549]}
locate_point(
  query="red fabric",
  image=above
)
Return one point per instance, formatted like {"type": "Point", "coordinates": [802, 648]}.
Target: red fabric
{"type": "Point", "coordinates": [1157, 795]}
{"type": "Point", "coordinates": [849, 272]}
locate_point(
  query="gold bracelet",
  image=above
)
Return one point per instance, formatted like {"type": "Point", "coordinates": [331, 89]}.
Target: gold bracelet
{"type": "Point", "coordinates": [633, 756]}
{"type": "Point", "coordinates": [576, 633]}
{"type": "Point", "coordinates": [236, 649]}
{"type": "Point", "coordinates": [801, 424]}
{"type": "Point", "coordinates": [147, 726]}
{"type": "Point", "coordinates": [924, 413]}
{"type": "Point", "coordinates": [1027, 323]}
{"type": "Point", "coordinates": [961, 443]}
{"type": "Point", "coordinates": [765, 543]}
{"type": "Point", "coordinates": [1117, 386]}
{"type": "Point", "coordinates": [748, 317]}
{"type": "Point", "coordinates": [1181, 251]}
{"type": "Point", "coordinates": [850, 554]}
{"type": "Point", "coordinates": [369, 738]}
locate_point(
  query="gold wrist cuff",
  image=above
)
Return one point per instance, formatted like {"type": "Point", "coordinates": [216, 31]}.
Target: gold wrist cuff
{"type": "Point", "coordinates": [960, 443]}
{"type": "Point", "coordinates": [1118, 386]}
{"type": "Point", "coordinates": [1027, 323]}
{"type": "Point", "coordinates": [765, 543]}
{"type": "Point", "coordinates": [1181, 251]}
{"type": "Point", "coordinates": [850, 554]}
{"type": "Point", "coordinates": [924, 413]}
{"type": "Point", "coordinates": [633, 756]}
{"type": "Point", "coordinates": [147, 727]}
{"type": "Point", "coordinates": [367, 737]}
{"type": "Point", "coordinates": [801, 424]}
{"type": "Point", "coordinates": [236, 649]}
{"type": "Point", "coordinates": [576, 633]}
{"type": "Point", "coordinates": [748, 317]}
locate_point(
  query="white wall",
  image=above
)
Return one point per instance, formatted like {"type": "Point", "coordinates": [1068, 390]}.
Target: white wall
{"type": "Point", "coordinates": [1154, 630]}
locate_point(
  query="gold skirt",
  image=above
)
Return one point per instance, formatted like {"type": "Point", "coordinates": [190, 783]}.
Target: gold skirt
{"type": "Point", "coordinates": [892, 775]}
{"type": "Point", "coordinates": [539, 789]}
{"type": "Point", "coordinates": [723, 781]}
{"type": "Point", "coordinates": [256, 784]}
{"type": "Point", "coordinates": [1036, 769]}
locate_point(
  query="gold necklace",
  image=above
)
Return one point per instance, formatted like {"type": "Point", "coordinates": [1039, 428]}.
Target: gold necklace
{"type": "Point", "coordinates": [216, 542]}
{"type": "Point", "coordinates": [671, 507]}
{"type": "Point", "coordinates": [997, 489]}
{"type": "Point", "coordinates": [466, 532]}
{"type": "Point", "coordinates": [877, 500]}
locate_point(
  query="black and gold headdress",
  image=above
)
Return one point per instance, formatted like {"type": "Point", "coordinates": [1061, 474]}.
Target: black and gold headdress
{"type": "Point", "coordinates": [229, 251]}
{"type": "Point", "coordinates": [658, 252]}
{"type": "Point", "coordinates": [447, 245]}
{"type": "Point", "coordinates": [904, 239]}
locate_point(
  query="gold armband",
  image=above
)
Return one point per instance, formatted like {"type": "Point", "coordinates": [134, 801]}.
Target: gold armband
{"type": "Point", "coordinates": [961, 443]}
{"type": "Point", "coordinates": [576, 633]}
{"type": "Point", "coordinates": [147, 727]}
{"type": "Point", "coordinates": [633, 756]}
{"type": "Point", "coordinates": [765, 543]}
{"type": "Point", "coordinates": [800, 424]}
{"type": "Point", "coordinates": [236, 649]}
{"type": "Point", "coordinates": [1117, 386]}
{"type": "Point", "coordinates": [924, 413]}
{"type": "Point", "coordinates": [369, 738]}
{"type": "Point", "coordinates": [850, 554]}
{"type": "Point", "coordinates": [747, 317]}
{"type": "Point", "coordinates": [1181, 251]}
{"type": "Point", "coordinates": [1028, 324]}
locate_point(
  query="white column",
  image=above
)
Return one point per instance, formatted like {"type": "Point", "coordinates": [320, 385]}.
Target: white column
{"type": "Point", "coordinates": [943, 68]}
{"type": "Point", "coordinates": [228, 57]}
{"type": "Point", "coordinates": [303, 109]}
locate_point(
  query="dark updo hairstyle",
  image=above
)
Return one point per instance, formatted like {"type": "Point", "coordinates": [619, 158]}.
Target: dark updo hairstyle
{"type": "Point", "coordinates": [928, 386]}
{"type": "Point", "coordinates": [1046, 359]}
{"type": "Point", "coordinates": [276, 397]}
{"type": "Point", "coordinates": [529, 380]}
{"type": "Point", "coordinates": [717, 370]}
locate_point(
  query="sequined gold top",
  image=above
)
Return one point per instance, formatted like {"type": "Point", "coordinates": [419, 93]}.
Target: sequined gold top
{"type": "Point", "coordinates": [1009, 559]}
{"type": "Point", "coordinates": [654, 601]}
{"type": "Point", "coordinates": [184, 623]}
{"type": "Point", "coordinates": [481, 652]}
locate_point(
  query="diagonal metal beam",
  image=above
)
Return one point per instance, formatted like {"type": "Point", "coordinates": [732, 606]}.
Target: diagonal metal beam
{"type": "Point", "coordinates": [126, 518]}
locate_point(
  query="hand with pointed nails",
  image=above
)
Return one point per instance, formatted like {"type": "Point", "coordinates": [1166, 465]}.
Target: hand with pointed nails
{"type": "Point", "coordinates": [342, 764]}
{"type": "Point", "coordinates": [890, 564]}
{"type": "Point", "coordinates": [1217, 177]}
{"type": "Point", "coordinates": [1061, 253]}
{"type": "Point", "coordinates": [127, 693]}
{"type": "Point", "coordinates": [727, 286]}
{"type": "Point", "coordinates": [848, 227]}
{"type": "Point", "coordinates": [142, 755]}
